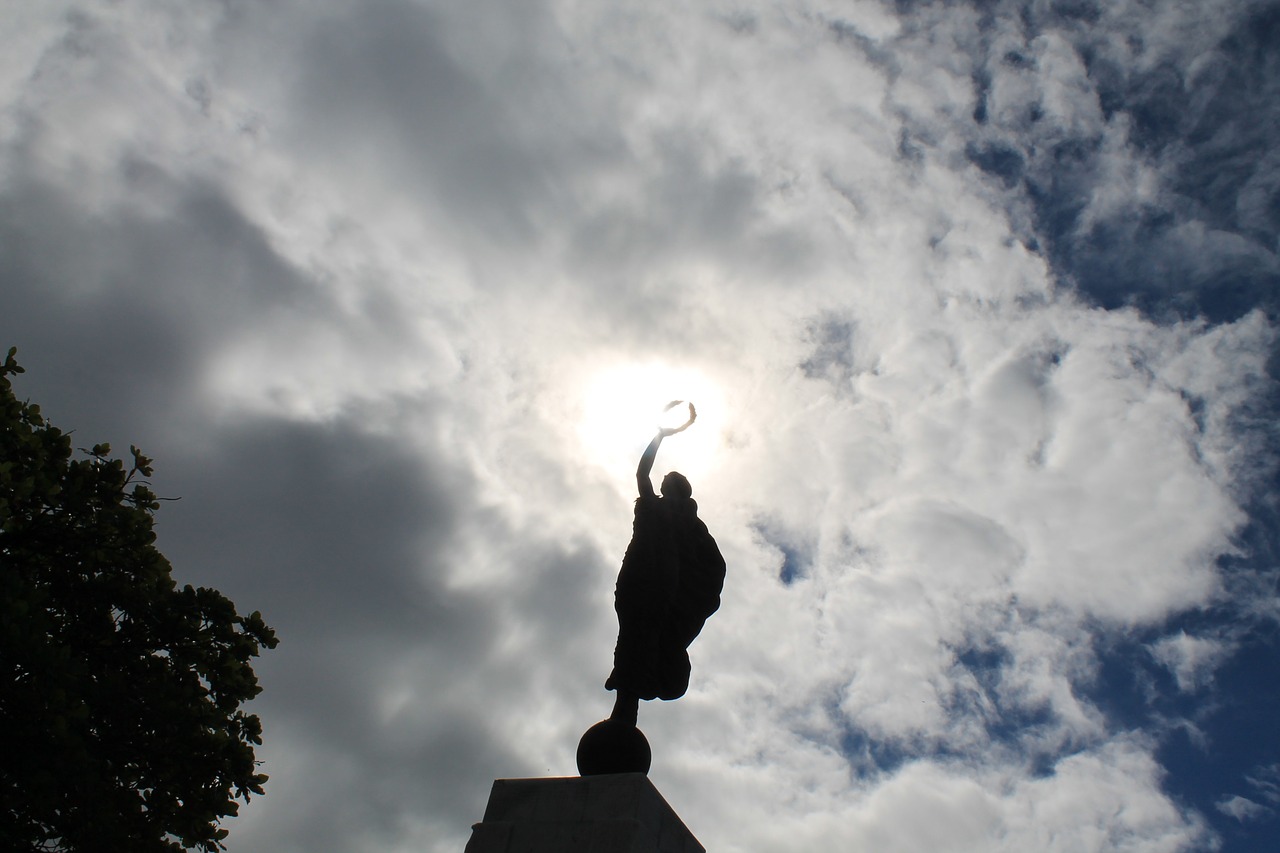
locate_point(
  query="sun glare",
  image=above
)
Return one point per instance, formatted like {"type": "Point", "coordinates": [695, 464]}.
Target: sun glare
{"type": "Point", "coordinates": [623, 407]}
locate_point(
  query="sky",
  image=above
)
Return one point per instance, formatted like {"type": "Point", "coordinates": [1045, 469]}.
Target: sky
{"type": "Point", "coordinates": [977, 302]}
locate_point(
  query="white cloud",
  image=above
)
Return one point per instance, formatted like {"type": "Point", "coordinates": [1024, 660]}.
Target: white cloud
{"type": "Point", "coordinates": [1243, 809]}
{"type": "Point", "coordinates": [384, 259]}
{"type": "Point", "coordinates": [1191, 660]}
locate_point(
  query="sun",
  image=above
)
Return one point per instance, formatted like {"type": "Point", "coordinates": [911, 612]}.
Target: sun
{"type": "Point", "coordinates": [623, 406]}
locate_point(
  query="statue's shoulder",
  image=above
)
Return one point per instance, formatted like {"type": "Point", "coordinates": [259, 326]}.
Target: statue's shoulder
{"type": "Point", "coordinates": [648, 503]}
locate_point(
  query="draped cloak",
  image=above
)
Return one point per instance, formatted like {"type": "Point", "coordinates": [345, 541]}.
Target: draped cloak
{"type": "Point", "coordinates": [669, 584]}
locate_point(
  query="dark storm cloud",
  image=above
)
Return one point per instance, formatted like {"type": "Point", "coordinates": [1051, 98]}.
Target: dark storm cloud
{"type": "Point", "coordinates": [385, 93]}
{"type": "Point", "coordinates": [336, 535]}
{"type": "Point", "coordinates": [342, 531]}
{"type": "Point", "coordinates": [349, 544]}
{"type": "Point", "coordinates": [118, 308]}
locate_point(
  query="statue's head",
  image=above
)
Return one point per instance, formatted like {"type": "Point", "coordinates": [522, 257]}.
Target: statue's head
{"type": "Point", "coordinates": [674, 485]}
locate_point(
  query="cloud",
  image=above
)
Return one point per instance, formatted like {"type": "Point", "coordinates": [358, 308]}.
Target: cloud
{"type": "Point", "coordinates": [1243, 809]}
{"type": "Point", "coordinates": [982, 358]}
{"type": "Point", "coordinates": [1266, 781]}
{"type": "Point", "coordinates": [1192, 660]}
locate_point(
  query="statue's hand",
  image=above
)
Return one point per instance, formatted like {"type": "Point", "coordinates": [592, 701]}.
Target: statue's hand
{"type": "Point", "coordinates": [693, 416]}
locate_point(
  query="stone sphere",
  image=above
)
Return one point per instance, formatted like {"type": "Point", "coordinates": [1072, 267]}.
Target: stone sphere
{"type": "Point", "coordinates": [613, 747]}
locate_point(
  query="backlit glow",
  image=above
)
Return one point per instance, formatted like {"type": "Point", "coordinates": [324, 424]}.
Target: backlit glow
{"type": "Point", "coordinates": [623, 407]}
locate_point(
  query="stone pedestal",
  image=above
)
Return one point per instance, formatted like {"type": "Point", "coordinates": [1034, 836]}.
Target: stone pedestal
{"type": "Point", "coordinates": [621, 813]}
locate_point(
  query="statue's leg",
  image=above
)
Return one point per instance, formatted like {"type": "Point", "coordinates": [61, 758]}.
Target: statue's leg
{"type": "Point", "coordinates": [626, 707]}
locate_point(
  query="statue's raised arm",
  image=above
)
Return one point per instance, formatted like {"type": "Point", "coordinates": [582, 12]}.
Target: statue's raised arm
{"type": "Point", "coordinates": [643, 484]}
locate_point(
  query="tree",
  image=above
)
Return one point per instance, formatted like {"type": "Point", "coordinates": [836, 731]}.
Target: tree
{"type": "Point", "coordinates": [119, 692]}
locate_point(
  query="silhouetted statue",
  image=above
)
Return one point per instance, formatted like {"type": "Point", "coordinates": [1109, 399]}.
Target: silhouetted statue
{"type": "Point", "coordinates": [669, 584]}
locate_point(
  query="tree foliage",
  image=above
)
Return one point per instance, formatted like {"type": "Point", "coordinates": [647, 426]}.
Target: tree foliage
{"type": "Point", "coordinates": [119, 691]}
